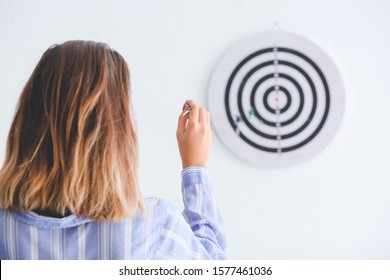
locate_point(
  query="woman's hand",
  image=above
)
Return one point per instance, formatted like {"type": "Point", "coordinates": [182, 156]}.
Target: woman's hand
{"type": "Point", "coordinates": [194, 135]}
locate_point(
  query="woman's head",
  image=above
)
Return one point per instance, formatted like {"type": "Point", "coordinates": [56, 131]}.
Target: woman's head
{"type": "Point", "coordinates": [72, 145]}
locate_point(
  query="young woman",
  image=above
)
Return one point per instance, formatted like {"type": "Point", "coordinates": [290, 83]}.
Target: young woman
{"type": "Point", "coordinates": [69, 187]}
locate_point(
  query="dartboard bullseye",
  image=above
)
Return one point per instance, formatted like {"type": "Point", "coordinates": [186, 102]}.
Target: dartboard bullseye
{"type": "Point", "coordinates": [276, 99]}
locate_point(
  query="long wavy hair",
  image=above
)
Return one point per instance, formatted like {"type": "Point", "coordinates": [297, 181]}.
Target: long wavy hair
{"type": "Point", "coordinates": [72, 146]}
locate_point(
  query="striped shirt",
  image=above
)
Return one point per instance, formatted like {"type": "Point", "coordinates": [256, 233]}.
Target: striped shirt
{"type": "Point", "coordinates": [161, 233]}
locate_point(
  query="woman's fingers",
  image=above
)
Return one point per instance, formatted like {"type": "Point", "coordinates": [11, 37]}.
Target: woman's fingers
{"type": "Point", "coordinates": [194, 135]}
{"type": "Point", "coordinates": [202, 116]}
{"type": "Point", "coordinates": [181, 126]}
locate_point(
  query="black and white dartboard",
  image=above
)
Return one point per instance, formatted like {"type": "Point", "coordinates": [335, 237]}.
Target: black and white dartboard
{"type": "Point", "coordinates": [276, 99]}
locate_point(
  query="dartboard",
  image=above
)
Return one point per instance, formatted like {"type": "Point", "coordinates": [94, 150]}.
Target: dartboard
{"type": "Point", "coordinates": [276, 99]}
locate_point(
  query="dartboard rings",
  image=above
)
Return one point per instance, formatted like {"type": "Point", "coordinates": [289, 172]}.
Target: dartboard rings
{"type": "Point", "coordinates": [276, 99]}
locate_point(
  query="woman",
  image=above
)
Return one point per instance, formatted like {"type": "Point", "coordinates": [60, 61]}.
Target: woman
{"type": "Point", "coordinates": [68, 186]}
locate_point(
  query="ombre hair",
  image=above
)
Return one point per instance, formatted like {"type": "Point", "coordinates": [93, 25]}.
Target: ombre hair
{"type": "Point", "coordinates": [72, 146]}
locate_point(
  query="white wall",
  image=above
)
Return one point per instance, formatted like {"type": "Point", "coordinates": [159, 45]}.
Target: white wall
{"type": "Point", "coordinates": [333, 206]}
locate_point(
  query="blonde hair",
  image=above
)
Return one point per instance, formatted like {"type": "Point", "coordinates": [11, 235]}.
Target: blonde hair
{"type": "Point", "coordinates": [72, 146]}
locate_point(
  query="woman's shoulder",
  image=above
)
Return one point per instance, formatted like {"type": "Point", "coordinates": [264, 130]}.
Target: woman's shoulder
{"type": "Point", "coordinates": [158, 211]}
{"type": "Point", "coordinates": [158, 204]}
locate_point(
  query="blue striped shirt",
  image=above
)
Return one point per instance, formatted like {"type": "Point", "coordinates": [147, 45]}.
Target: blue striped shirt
{"type": "Point", "coordinates": [161, 233]}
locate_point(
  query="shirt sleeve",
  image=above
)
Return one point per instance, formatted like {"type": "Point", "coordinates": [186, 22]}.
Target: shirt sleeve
{"type": "Point", "coordinates": [198, 233]}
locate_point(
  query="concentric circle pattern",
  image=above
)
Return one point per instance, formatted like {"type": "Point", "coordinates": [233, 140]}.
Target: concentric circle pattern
{"type": "Point", "coordinates": [276, 99]}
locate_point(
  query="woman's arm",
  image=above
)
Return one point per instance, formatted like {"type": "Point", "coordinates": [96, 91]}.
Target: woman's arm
{"type": "Point", "coordinates": [200, 234]}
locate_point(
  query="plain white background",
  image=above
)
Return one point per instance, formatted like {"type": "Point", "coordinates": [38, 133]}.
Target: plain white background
{"type": "Point", "coordinates": [333, 206]}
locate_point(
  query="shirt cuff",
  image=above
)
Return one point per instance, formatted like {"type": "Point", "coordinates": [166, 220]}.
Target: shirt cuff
{"type": "Point", "coordinates": [194, 175]}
